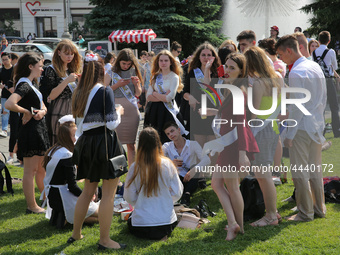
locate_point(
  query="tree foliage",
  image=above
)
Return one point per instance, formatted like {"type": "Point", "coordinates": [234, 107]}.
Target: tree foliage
{"type": "Point", "coordinates": [190, 22]}
{"type": "Point", "coordinates": [326, 16]}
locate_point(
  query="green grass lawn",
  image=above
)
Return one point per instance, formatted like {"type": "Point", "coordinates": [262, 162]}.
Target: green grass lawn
{"type": "Point", "coordinates": [31, 234]}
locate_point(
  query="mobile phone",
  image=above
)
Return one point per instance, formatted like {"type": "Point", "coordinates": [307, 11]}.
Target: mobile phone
{"type": "Point", "coordinates": [33, 110]}
{"type": "Point", "coordinates": [221, 71]}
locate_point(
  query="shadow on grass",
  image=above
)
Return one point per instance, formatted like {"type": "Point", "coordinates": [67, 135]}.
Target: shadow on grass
{"type": "Point", "coordinates": [14, 206]}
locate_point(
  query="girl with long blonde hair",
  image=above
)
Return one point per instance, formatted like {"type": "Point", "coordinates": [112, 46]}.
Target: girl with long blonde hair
{"type": "Point", "coordinates": [152, 187]}
{"type": "Point", "coordinates": [59, 82]}
{"type": "Point", "coordinates": [265, 81]}
{"type": "Point", "coordinates": [165, 82]}
{"type": "Point", "coordinates": [125, 79]}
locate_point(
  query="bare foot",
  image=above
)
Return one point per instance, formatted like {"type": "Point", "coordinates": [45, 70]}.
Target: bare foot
{"type": "Point", "coordinates": [294, 217]}
{"type": "Point", "coordinates": [264, 221]}
{"type": "Point", "coordinates": [232, 231]}
{"type": "Point", "coordinates": [164, 238]}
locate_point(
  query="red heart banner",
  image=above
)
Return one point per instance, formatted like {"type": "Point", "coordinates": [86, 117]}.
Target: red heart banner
{"type": "Point", "coordinates": [28, 8]}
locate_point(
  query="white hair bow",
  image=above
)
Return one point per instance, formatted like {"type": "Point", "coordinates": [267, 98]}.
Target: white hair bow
{"type": "Point", "coordinates": [66, 118]}
{"type": "Point", "coordinates": [91, 57]}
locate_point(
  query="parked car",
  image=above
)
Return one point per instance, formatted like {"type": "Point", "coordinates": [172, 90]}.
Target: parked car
{"type": "Point", "coordinates": [11, 38]}
{"type": "Point", "coordinates": [52, 42]}
{"type": "Point", "coordinates": [22, 48]}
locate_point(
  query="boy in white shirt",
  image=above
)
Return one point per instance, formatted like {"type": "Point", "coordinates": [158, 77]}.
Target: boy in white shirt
{"type": "Point", "coordinates": [186, 155]}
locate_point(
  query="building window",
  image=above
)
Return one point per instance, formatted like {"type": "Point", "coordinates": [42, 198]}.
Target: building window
{"type": "Point", "coordinates": [46, 26]}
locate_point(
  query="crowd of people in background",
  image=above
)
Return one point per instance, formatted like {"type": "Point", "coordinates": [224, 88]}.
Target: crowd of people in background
{"type": "Point", "coordinates": [107, 96]}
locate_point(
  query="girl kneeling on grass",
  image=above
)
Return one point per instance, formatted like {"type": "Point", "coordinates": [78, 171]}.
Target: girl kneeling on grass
{"type": "Point", "coordinates": [61, 188]}
{"type": "Point", "coordinates": [152, 187]}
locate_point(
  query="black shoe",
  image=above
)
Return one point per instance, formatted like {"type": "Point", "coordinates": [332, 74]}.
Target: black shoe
{"type": "Point", "coordinates": [202, 183]}
{"type": "Point", "coordinates": [72, 240]}
{"type": "Point", "coordinates": [186, 199]}
{"type": "Point", "coordinates": [28, 211]}
{"type": "Point", "coordinates": [102, 247]}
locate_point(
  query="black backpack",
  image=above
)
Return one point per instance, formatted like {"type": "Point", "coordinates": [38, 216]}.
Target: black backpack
{"type": "Point", "coordinates": [253, 199]}
{"type": "Point", "coordinates": [322, 63]}
{"type": "Point", "coordinates": [7, 175]}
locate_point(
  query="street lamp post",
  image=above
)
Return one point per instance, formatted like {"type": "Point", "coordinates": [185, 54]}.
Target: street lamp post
{"type": "Point", "coordinates": [66, 34]}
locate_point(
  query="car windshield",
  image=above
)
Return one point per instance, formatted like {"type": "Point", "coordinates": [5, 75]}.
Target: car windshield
{"type": "Point", "coordinates": [44, 48]}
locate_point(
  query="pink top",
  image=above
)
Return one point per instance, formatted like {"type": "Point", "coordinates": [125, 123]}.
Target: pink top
{"type": "Point", "coordinates": [280, 66]}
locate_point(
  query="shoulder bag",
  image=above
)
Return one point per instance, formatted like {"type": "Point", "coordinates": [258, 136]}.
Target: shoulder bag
{"type": "Point", "coordinates": [118, 163]}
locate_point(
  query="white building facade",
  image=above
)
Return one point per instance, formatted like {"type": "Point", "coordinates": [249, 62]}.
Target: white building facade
{"type": "Point", "coordinates": [45, 18]}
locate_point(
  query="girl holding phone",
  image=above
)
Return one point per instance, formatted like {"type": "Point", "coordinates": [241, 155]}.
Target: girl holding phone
{"type": "Point", "coordinates": [125, 80]}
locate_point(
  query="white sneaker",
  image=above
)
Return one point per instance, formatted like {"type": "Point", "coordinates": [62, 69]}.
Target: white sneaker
{"type": "Point", "coordinates": [3, 133]}
{"type": "Point", "coordinates": [277, 180]}
{"type": "Point", "coordinates": [10, 160]}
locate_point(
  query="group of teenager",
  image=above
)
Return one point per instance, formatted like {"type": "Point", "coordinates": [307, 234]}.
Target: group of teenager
{"type": "Point", "coordinates": [86, 112]}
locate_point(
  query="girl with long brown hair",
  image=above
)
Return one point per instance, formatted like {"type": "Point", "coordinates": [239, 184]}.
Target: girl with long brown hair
{"type": "Point", "coordinates": [266, 80]}
{"type": "Point", "coordinates": [61, 189]}
{"type": "Point", "coordinates": [165, 82]}
{"type": "Point", "coordinates": [235, 154]}
{"type": "Point", "coordinates": [152, 187]}
{"type": "Point", "coordinates": [58, 83]}
{"type": "Point", "coordinates": [93, 148]}
{"type": "Point", "coordinates": [202, 69]}
{"type": "Point", "coordinates": [125, 80]}
{"type": "Point", "coordinates": [33, 137]}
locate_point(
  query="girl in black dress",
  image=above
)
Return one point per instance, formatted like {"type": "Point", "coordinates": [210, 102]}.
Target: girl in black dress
{"type": "Point", "coordinates": [90, 150]}
{"type": "Point", "coordinates": [202, 68]}
{"type": "Point", "coordinates": [61, 188]}
{"type": "Point", "coordinates": [59, 82]}
{"type": "Point", "coordinates": [164, 84]}
{"type": "Point", "coordinates": [33, 138]}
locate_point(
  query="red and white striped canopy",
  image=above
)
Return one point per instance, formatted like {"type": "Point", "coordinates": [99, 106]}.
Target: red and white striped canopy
{"type": "Point", "coordinates": [132, 35]}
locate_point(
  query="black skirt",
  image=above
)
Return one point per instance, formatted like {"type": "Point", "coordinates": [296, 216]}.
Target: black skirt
{"type": "Point", "coordinates": [33, 138]}
{"type": "Point", "coordinates": [90, 154]}
{"type": "Point", "coordinates": [156, 115]}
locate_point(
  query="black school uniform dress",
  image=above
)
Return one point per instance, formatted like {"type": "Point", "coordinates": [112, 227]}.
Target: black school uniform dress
{"type": "Point", "coordinates": [60, 106]}
{"type": "Point", "coordinates": [61, 187]}
{"type": "Point", "coordinates": [156, 114]}
{"type": "Point", "coordinates": [90, 150]}
{"type": "Point", "coordinates": [196, 124]}
{"type": "Point", "coordinates": [33, 138]}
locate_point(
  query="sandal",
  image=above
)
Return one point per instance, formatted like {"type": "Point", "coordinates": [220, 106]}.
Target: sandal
{"type": "Point", "coordinates": [268, 222]}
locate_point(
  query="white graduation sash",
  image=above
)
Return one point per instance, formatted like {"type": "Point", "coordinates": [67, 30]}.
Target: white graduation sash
{"type": "Point", "coordinates": [126, 91]}
{"type": "Point", "coordinates": [200, 80]}
{"type": "Point", "coordinates": [79, 121]}
{"type": "Point", "coordinates": [219, 91]}
{"type": "Point", "coordinates": [216, 127]}
{"type": "Point", "coordinates": [170, 106]}
{"type": "Point", "coordinates": [71, 85]}
{"type": "Point", "coordinates": [36, 91]}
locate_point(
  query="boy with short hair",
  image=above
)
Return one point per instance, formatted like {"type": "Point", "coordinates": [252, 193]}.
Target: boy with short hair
{"type": "Point", "coordinates": [187, 157]}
